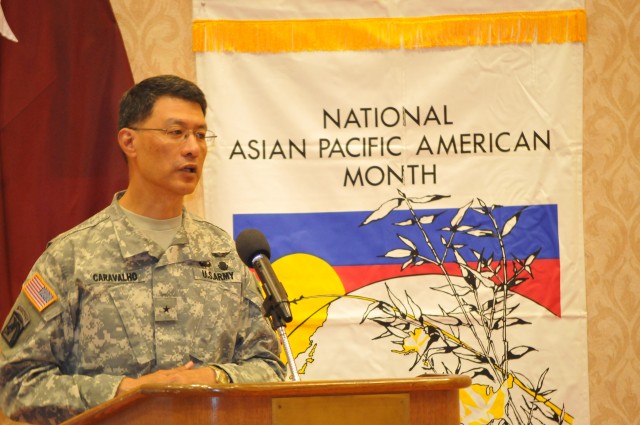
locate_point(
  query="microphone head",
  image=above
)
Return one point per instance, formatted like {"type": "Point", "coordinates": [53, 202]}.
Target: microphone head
{"type": "Point", "coordinates": [250, 243]}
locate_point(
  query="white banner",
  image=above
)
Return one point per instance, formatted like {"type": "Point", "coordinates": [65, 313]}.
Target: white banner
{"type": "Point", "coordinates": [417, 172]}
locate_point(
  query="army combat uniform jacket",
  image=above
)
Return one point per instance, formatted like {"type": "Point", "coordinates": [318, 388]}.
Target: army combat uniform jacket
{"type": "Point", "coordinates": [104, 302]}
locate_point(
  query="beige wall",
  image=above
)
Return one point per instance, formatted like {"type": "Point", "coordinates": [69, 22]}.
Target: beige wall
{"type": "Point", "coordinates": [612, 208]}
{"type": "Point", "coordinates": [158, 40]}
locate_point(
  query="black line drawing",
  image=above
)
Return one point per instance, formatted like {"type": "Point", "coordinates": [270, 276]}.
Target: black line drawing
{"type": "Point", "coordinates": [475, 332]}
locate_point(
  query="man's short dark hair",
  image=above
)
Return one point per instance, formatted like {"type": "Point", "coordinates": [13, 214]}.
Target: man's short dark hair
{"type": "Point", "coordinates": [137, 103]}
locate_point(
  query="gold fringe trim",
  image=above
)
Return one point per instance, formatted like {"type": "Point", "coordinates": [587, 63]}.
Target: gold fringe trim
{"type": "Point", "coordinates": [562, 26]}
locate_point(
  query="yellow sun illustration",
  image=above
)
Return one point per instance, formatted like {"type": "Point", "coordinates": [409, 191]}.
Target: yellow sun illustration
{"type": "Point", "coordinates": [311, 285]}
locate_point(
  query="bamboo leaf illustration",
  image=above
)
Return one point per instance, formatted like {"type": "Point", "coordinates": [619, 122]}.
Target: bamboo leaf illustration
{"type": "Point", "coordinates": [397, 303]}
{"type": "Point", "coordinates": [398, 253]}
{"type": "Point", "coordinates": [445, 320]}
{"type": "Point", "coordinates": [541, 380]}
{"type": "Point", "coordinates": [510, 224]}
{"type": "Point", "coordinates": [480, 371]}
{"type": "Point", "coordinates": [370, 309]}
{"type": "Point", "coordinates": [387, 309]}
{"type": "Point", "coordinates": [498, 304]}
{"type": "Point", "coordinates": [473, 358]}
{"type": "Point", "coordinates": [519, 351]}
{"type": "Point", "coordinates": [546, 394]}
{"type": "Point", "coordinates": [425, 219]}
{"type": "Point", "coordinates": [510, 321]}
{"type": "Point", "coordinates": [428, 219]}
{"type": "Point", "coordinates": [428, 198]}
{"type": "Point", "coordinates": [416, 311]}
{"type": "Point", "coordinates": [531, 258]}
{"type": "Point", "coordinates": [382, 211]}
{"type": "Point", "coordinates": [407, 242]}
{"type": "Point", "coordinates": [448, 289]}
{"type": "Point", "coordinates": [515, 282]}
{"type": "Point", "coordinates": [485, 281]}
{"type": "Point", "coordinates": [384, 321]}
{"type": "Point", "coordinates": [483, 208]}
{"type": "Point", "coordinates": [455, 221]}
{"type": "Point", "coordinates": [481, 233]}
{"type": "Point", "coordinates": [383, 335]}
{"type": "Point", "coordinates": [397, 332]}
{"type": "Point", "coordinates": [462, 262]}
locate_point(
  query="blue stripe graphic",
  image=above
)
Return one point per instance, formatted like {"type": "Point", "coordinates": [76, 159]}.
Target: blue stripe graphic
{"type": "Point", "coordinates": [339, 238]}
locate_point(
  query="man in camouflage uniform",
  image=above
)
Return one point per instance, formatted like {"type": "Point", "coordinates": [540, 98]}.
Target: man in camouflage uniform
{"type": "Point", "coordinates": [143, 292]}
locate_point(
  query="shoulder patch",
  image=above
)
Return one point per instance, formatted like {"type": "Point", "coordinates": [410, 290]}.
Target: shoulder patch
{"type": "Point", "coordinates": [39, 293]}
{"type": "Point", "coordinates": [15, 325]}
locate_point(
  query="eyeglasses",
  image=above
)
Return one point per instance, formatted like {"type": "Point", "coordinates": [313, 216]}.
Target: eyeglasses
{"type": "Point", "coordinates": [180, 134]}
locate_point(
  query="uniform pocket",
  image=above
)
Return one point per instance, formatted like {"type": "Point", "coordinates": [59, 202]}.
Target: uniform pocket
{"type": "Point", "coordinates": [216, 330]}
{"type": "Point", "coordinates": [115, 334]}
{"type": "Point", "coordinates": [135, 308]}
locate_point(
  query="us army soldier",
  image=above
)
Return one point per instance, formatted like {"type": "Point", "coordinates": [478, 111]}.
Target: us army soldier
{"type": "Point", "coordinates": [144, 292]}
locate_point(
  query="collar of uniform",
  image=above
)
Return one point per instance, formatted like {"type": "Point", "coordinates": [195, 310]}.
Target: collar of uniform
{"type": "Point", "coordinates": [132, 242]}
{"type": "Point", "coordinates": [187, 235]}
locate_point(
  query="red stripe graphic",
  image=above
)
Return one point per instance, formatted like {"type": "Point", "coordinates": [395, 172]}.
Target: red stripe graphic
{"type": "Point", "coordinates": [544, 289]}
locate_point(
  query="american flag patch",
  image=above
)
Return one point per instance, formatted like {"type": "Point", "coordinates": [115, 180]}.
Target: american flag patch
{"type": "Point", "coordinates": [39, 293]}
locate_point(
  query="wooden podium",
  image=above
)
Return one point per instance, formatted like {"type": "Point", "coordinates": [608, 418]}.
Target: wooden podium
{"type": "Point", "coordinates": [428, 400]}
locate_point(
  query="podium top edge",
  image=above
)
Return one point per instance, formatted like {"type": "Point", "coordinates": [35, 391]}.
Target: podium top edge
{"type": "Point", "coordinates": [315, 387]}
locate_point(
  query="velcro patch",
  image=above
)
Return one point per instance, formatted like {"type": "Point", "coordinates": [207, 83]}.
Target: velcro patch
{"type": "Point", "coordinates": [39, 293]}
{"type": "Point", "coordinates": [15, 325]}
{"type": "Point", "coordinates": [165, 309]}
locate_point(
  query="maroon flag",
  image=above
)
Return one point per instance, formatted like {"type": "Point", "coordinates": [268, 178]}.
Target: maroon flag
{"type": "Point", "coordinates": [60, 84]}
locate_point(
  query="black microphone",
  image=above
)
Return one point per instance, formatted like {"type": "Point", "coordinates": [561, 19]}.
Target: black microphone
{"type": "Point", "coordinates": [254, 251]}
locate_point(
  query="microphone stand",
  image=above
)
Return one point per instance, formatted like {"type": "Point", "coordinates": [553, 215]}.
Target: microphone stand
{"type": "Point", "coordinates": [278, 324]}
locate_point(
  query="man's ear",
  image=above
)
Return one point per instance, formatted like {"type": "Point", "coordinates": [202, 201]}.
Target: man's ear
{"type": "Point", "coordinates": [126, 137]}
